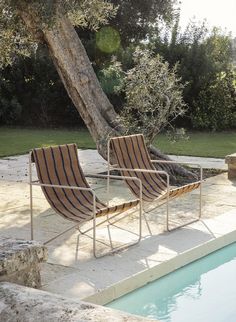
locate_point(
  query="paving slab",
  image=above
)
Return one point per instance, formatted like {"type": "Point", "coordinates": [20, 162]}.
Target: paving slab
{"type": "Point", "coordinates": [16, 168]}
{"type": "Point", "coordinates": [206, 163]}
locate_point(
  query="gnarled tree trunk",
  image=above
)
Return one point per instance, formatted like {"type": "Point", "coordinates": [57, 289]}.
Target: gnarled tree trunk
{"type": "Point", "coordinates": [82, 85]}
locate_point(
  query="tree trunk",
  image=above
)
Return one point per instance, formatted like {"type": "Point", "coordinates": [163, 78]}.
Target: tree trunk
{"type": "Point", "coordinates": [83, 87]}
{"type": "Point", "coordinates": [81, 83]}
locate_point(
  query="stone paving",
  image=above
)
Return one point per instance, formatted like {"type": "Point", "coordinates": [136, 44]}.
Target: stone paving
{"type": "Point", "coordinates": [78, 273]}
{"type": "Point", "coordinates": [16, 168]}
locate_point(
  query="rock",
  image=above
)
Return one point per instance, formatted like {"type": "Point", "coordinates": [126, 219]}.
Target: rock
{"type": "Point", "coordinates": [20, 261]}
{"type": "Point", "coordinates": [231, 161]}
{"type": "Point", "coordinates": [22, 304]}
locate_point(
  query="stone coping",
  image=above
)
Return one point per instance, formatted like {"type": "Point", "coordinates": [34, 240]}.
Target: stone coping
{"type": "Point", "coordinates": [141, 279]}
{"type": "Point", "coordinates": [19, 303]}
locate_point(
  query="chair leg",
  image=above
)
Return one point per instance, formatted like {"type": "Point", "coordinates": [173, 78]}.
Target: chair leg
{"type": "Point", "coordinates": [114, 250]}
{"type": "Point", "coordinates": [189, 222]}
{"type": "Point", "coordinates": [77, 247]}
{"type": "Point", "coordinates": [109, 234]}
{"type": "Point", "coordinates": [200, 202]}
{"type": "Point", "coordinates": [31, 199]}
{"type": "Point", "coordinates": [167, 215]}
{"type": "Point", "coordinates": [94, 235]}
{"type": "Point", "coordinates": [31, 214]}
{"type": "Point", "coordinates": [147, 224]}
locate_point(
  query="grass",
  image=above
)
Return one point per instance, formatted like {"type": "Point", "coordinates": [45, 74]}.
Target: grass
{"type": "Point", "coordinates": [15, 141]}
{"type": "Point", "coordinates": [202, 144]}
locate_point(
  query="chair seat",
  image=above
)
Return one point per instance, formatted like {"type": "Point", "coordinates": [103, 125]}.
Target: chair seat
{"type": "Point", "coordinates": [176, 192]}
{"type": "Point", "coordinates": [118, 208]}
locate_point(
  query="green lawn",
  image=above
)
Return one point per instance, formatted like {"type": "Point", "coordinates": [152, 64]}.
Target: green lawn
{"type": "Point", "coordinates": [215, 145]}
{"type": "Point", "coordinates": [19, 141]}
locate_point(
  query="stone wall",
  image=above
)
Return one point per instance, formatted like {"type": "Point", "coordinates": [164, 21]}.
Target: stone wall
{"type": "Point", "coordinates": [23, 304]}
{"type": "Point", "coordinates": [20, 261]}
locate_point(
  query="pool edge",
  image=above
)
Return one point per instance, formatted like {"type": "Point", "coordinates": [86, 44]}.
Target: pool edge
{"type": "Point", "coordinates": [146, 276]}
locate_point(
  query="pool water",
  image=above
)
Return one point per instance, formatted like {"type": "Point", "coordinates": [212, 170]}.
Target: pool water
{"type": "Point", "coordinates": [203, 291]}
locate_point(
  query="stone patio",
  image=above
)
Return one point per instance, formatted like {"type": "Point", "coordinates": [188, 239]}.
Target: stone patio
{"type": "Point", "coordinates": [79, 274]}
{"type": "Point", "coordinates": [16, 168]}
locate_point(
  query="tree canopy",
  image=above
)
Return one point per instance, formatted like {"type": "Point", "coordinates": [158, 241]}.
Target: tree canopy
{"type": "Point", "coordinates": [136, 18]}
{"type": "Point", "coordinates": [15, 37]}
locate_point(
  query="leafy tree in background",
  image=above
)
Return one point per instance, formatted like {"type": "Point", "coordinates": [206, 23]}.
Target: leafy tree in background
{"type": "Point", "coordinates": [215, 107]}
{"type": "Point", "coordinates": [203, 56]}
{"type": "Point", "coordinates": [137, 19]}
{"type": "Point", "coordinates": [31, 94]}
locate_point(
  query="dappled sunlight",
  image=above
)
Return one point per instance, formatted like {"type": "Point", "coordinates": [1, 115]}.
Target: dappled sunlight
{"type": "Point", "coordinates": [11, 220]}
{"type": "Point", "coordinates": [78, 271]}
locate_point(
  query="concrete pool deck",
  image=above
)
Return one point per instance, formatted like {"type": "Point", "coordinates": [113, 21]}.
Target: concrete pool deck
{"type": "Point", "coordinates": [80, 274]}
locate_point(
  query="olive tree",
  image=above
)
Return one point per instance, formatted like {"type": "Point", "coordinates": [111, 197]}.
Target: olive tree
{"type": "Point", "coordinates": [153, 95]}
{"type": "Point", "coordinates": [25, 23]}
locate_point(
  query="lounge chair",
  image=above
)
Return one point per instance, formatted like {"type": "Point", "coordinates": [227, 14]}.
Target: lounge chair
{"type": "Point", "coordinates": [65, 187]}
{"type": "Point", "coordinates": [133, 159]}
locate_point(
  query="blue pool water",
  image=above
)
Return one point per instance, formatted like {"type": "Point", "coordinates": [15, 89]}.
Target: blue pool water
{"type": "Point", "coordinates": [203, 291]}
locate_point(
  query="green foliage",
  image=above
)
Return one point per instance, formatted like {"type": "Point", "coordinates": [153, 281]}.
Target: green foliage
{"type": "Point", "coordinates": [134, 22]}
{"type": "Point", "coordinates": [153, 95]}
{"type": "Point", "coordinates": [15, 38]}
{"type": "Point", "coordinates": [111, 77]}
{"type": "Point", "coordinates": [215, 107]}
{"type": "Point", "coordinates": [202, 56]}
{"type": "Point", "coordinates": [10, 110]}
{"type": "Point", "coordinates": [107, 39]}
{"type": "Point", "coordinates": [137, 19]}
{"type": "Point", "coordinates": [31, 93]}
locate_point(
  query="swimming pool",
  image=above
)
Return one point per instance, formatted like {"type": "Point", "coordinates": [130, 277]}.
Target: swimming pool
{"type": "Point", "coordinates": [203, 291]}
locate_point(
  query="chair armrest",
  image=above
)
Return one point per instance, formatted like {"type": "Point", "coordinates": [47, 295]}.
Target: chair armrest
{"type": "Point", "coordinates": [178, 162]}
{"type": "Point", "coordinates": [147, 171]}
{"type": "Point", "coordinates": [65, 187]}
{"type": "Point", "coordinates": [104, 176]}
{"type": "Point", "coordinates": [36, 183]}
{"type": "Point", "coordinates": [141, 170]}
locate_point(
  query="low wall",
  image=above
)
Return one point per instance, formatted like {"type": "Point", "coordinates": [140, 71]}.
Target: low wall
{"type": "Point", "coordinates": [23, 304]}
{"type": "Point", "coordinates": [20, 261]}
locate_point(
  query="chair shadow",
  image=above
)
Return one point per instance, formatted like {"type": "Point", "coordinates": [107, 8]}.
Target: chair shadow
{"type": "Point", "coordinates": [82, 267]}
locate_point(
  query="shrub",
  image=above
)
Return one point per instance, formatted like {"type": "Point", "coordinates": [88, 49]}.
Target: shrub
{"type": "Point", "coordinates": [153, 95]}
{"type": "Point", "coordinates": [215, 107]}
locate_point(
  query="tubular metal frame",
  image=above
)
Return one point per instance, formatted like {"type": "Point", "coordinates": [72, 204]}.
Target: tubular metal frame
{"type": "Point", "coordinates": [167, 197]}
{"type": "Point", "coordinates": [37, 183]}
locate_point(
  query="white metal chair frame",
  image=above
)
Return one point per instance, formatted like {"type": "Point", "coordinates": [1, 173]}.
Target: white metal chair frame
{"type": "Point", "coordinates": [76, 226]}
{"type": "Point", "coordinates": [161, 172]}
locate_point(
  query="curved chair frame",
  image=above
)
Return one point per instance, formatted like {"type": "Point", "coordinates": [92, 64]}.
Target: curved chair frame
{"type": "Point", "coordinates": [166, 197]}
{"type": "Point", "coordinates": [94, 217]}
